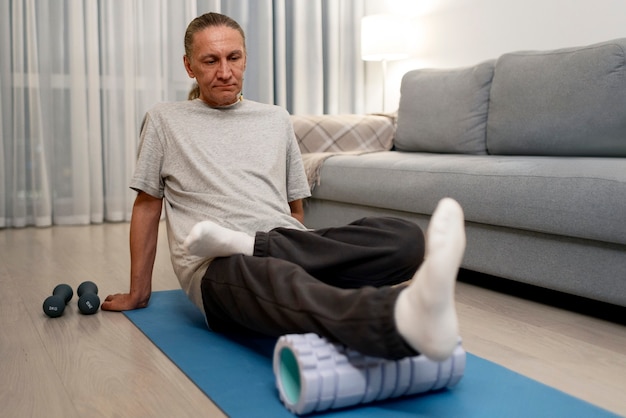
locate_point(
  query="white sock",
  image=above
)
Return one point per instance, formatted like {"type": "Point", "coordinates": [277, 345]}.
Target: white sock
{"type": "Point", "coordinates": [425, 313]}
{"type": "Point", "coordinates": [207, 239]}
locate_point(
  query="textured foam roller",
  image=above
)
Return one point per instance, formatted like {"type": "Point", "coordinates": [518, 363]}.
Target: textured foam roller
{"type": "Point", "coordinates": [315, 375]}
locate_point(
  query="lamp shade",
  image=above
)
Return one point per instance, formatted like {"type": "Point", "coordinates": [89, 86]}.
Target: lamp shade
{"type": "Point", "coordinates": [384, 37]}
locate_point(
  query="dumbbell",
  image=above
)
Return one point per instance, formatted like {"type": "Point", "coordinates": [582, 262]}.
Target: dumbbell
{"type": "Point", "coordinates": [88, 300]}
{"type": "Point", "coordinates": [54, 305]}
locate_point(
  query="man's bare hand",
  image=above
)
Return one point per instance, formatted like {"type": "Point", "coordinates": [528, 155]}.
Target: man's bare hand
{"type": "Point", "coordinates": [123, 302]}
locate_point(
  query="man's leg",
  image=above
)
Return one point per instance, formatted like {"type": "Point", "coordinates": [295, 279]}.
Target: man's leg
{"type": "Point", "coordinates": [275, 297]}
{"type": "Point", "coordinates": [423, 315]}
{"type": "Point", "coordinates": [372, 251]}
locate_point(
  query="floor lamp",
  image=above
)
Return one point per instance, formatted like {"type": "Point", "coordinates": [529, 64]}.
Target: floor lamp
{"type": "Point", "coordinates": [384, 38]}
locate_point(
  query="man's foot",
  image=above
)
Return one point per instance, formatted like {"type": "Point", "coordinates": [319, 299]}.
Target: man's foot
{"type": "Point", "coordinates": [425, 312]}
{"type": "Point", "coordinates": [209, 240]}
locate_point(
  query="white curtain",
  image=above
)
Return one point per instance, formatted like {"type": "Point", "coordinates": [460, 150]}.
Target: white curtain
{"type": "Point", "coordinates": [77, 76]}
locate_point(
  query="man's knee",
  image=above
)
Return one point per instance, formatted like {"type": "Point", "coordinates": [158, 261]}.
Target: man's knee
{"type": "Point", "coordinates": [405, 236]}
{"type": "Point", "coordinates": [411, 243]}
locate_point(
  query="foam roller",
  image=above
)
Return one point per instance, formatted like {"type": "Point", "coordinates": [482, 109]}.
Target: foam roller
{"type": "Point", "coordinates": [314, 375]}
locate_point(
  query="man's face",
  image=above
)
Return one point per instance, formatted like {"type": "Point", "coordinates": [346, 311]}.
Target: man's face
{"type": "Point", "coordinates": [218, 61]}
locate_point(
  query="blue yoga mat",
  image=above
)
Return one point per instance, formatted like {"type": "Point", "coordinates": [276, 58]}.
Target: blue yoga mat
{"type": "Point", "coordinates": [237, 375]}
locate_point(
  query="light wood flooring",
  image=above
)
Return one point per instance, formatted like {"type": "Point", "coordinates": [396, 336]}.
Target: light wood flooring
{"type": "Point", "coordinates": [102, 366]}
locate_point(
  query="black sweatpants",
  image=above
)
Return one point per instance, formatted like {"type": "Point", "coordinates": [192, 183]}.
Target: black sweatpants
{"type": "Point", "coordinates": [335, 282]}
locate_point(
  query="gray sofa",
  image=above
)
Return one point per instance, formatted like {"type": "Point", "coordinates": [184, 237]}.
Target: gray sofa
{"type": "Point", "coordinates": [533, 146]}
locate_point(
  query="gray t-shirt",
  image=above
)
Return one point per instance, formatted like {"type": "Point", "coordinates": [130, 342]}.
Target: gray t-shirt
{"type": "Point", "coordinates": [238, 166]}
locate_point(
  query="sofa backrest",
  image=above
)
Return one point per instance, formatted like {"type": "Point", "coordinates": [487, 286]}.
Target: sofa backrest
{"type": "Point", "coordinates": [569, 102]}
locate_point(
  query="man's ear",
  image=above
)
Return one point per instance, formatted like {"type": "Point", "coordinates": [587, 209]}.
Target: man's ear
{"type": "Point", "coordinates": [188, 67]}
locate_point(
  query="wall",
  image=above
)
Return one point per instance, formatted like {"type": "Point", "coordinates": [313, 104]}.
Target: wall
{"type": "Point", "coordinates": [452, 33]}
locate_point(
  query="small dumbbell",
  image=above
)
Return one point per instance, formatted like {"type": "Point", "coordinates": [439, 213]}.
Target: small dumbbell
{"type": "Point", "coordinates": [54, 305]}
{"type": "Point", "coordinates": [88, 300]}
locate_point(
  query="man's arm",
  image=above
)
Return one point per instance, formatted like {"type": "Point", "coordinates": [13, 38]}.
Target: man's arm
{"type": "Point", "coordinates": [144, 230]}
{"type": "Point", "coordinates": [297, 210]}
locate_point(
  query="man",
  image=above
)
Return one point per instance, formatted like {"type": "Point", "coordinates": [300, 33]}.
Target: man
{"type": "Point", "coordinates": [230, 176]}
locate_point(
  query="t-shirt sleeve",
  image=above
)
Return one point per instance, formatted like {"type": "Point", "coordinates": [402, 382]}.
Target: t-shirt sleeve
{"type": "Point", "coordinates": [147, 176]}
{"type": "Point", "coordinates": [297, 184]}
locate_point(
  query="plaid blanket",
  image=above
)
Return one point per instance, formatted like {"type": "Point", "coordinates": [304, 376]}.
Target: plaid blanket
{"type": "Point", "coordinates": [321, 137]}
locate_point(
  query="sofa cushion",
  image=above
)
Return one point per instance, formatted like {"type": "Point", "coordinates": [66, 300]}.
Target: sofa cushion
{"type": "Point", "coordinates": [337, 133]}
{"type": "Point", "coordinates": [444, 110]}
{"type": "Point", "coordinates": [563, 102]}
{"type": "Point", "coordinates": [569, 196]}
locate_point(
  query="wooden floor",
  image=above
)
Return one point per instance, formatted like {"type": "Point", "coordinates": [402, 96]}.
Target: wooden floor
{"type": "Point", "coordinates": [102, 366]}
